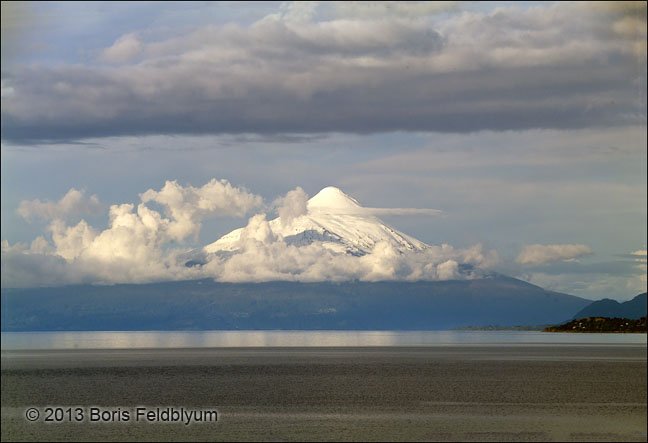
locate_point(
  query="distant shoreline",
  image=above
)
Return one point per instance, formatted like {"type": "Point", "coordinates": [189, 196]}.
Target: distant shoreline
{"type": "Point", "coordinates": [600, 332]}
{"type": "Point", "coordinates": [602, 325]}
{"type": "Point", "coordinates": [616, 325]}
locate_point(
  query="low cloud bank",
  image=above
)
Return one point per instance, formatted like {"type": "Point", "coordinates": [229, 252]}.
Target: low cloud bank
{"type": "Point", "coordinates": [543, 254]}
{"type": "Point", "coordinates": [142, 244]}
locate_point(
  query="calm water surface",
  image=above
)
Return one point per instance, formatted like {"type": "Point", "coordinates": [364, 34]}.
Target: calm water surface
{"type": "Point", "coordinates": [214, 339]}
{"type": "Point", "coordinates": [331, 385]}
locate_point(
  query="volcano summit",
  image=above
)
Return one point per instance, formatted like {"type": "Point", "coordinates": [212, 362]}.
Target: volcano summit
{"type": "Point", "coordinates": [331, 237]}
{"type": "Point", "coordinates": [335, 220]}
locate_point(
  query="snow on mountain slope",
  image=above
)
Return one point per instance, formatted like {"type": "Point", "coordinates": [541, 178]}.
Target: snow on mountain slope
{"type": "Point", "coordinates": [335, 220]}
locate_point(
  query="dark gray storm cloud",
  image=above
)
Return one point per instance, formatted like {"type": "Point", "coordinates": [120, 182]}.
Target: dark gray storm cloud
{"type": "Point", "coordinates": [507, 70]}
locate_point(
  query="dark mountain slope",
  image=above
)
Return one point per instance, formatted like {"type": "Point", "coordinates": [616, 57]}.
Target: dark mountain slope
{"type": "Point", "coordinates": [635, 308]}
{"type": "Point", "coordinates": [206, 305]}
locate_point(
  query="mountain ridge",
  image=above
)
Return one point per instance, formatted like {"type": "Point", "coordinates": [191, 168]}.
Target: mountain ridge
{"type": "Point", "coordinates": [634, 309]}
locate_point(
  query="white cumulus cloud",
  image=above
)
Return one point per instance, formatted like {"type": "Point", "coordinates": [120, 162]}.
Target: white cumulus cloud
{"type": "Point", "coordinates": [187, 206]}
{"type": "Point", "coordinates": [72, 203]}
{"type": "Point", "coordinates": [293, 205]}
{"type": "Point", "coordinates": [137, 246]}
{"type": "Point", "coordinates": [125, 48]}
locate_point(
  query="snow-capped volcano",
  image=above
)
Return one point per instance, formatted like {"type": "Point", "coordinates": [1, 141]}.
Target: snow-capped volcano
{"type": "Point", "coordinates": [333, 219]}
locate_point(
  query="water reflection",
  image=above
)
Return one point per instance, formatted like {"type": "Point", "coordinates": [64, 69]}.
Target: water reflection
{"type": "Point", "coordinates": [207, 339]}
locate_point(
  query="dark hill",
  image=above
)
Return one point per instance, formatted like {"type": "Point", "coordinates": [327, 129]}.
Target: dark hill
{"type": "Point", "coordinates": [206, 305]}
{"type": "Point", "coordinates": [635, 308]}
{"type": "Point", "coordinates": [601, 324]}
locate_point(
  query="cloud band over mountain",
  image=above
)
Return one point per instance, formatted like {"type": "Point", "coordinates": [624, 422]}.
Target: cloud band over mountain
{"type": "Point", "coordinates": [142, 244]}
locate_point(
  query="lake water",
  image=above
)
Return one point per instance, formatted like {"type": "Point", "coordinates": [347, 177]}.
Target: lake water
{"type": "Point", "coordinates": [328, 385]}
{"type": "Point", "coordinates": [226, 339]}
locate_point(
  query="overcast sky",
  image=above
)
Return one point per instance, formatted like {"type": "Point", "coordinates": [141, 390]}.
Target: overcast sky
{"type": "Point", "coordinates": [525, 123]}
